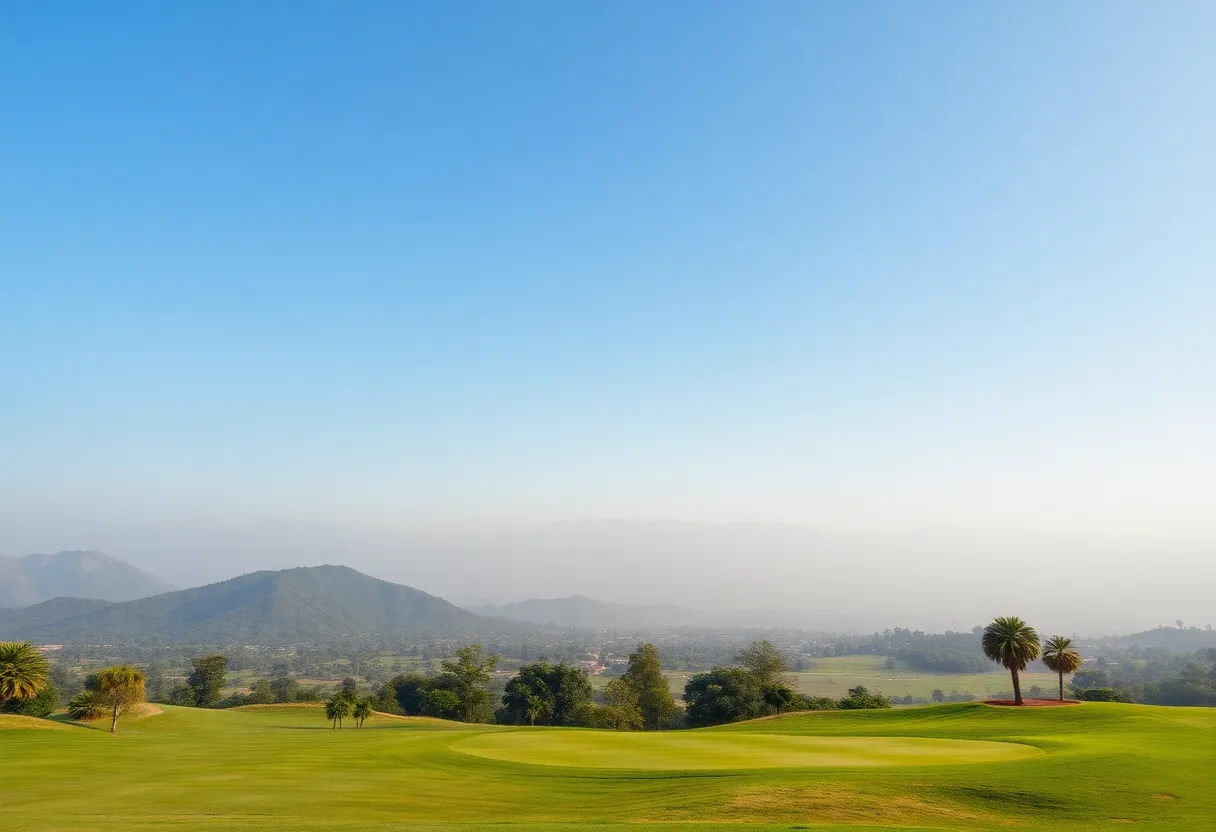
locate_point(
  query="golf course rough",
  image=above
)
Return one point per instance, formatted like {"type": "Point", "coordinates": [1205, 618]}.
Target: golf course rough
{"type": "Point", "coordinates": [701, 750]}
{"type": "Point", "coordinates": [1091, 767]}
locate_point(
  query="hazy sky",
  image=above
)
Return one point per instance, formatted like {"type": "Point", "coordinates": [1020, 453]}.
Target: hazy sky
{"type": "Point", "coordinates": [862, 267]}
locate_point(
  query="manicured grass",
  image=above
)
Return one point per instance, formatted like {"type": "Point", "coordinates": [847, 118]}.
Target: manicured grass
{"type": "Point", "coordinates": [705, 750]}
{"type": "Point", "coordinates": [1095, 767]}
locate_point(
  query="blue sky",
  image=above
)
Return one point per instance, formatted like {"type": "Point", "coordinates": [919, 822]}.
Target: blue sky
{"type": "Point", "coordinates": [856, 266]}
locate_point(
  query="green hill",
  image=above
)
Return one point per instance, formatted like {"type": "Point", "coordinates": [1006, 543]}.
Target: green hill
{"type": "Point", "coordinates": [1084, 768]}
{"type": "Point", "coordinates": [322, 604]}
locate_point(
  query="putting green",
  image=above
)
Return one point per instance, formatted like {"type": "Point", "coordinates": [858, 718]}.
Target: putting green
{"type": "Point", "coordinates": [687, 750]}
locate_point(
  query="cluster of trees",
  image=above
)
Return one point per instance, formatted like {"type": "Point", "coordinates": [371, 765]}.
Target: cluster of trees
{"type": "Point", "coordinates": [347, 703]}
{"type": "Point", "coordinates": [757, 686]}
{"type": "Point", "coordinates": [1153, 679]}
{"type": "Point", "coordinates": [460, 691]}
{"type": "Point", "coordinates": [25, 677]}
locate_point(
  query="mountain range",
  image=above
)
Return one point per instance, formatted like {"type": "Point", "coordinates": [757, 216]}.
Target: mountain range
{"type": "Point", "coordinates": [320, 604]}
{"type": "Point", "coordinates": [36, 578]}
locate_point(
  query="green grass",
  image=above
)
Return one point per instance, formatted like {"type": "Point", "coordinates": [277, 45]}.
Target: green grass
{"type": "Point", "coordinates": [1094, 767]}
{"type": "Point", "coordinates": [834, 676]}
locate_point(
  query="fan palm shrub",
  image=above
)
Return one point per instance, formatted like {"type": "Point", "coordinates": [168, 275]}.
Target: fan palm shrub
{"type": "Point", "coordinates": [23, 670]}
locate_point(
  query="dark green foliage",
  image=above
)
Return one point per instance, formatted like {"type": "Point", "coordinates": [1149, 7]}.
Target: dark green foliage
{"type": "Point", "coordinates": [294, 606]}
{"type": "Point", "coordinates": [644, 675]}
{"type": "Point", "coordinates": [1103, 695]}
{"type": "Point", "coordinates": [724, 694]}
{"type": "Point", "coordinates": [41, 705]}
{"type": "Point", "coordinates": [442, 703]}
{"type": "Point", "coordinates": [408, 690]}
{"type": "Point", "coordinates": [207, 679]}
{"type": "Point", "coordinates": [545, 694]}
{"type": "Point", "coordinates": [260, 693]}
{"type": "Point", "coordinates": [338, 707]}
{"type": "Point", "coordinates": [779, 697]}
{"type": "Point", "coordinates": [861, 698]}
{"type": "Point", "coordinates": [466, 675]}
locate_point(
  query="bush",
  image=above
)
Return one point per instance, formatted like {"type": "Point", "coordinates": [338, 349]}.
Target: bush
{"type": "Point", "coordinates": [1104, 695]}
{"type": "Point", "coordinates": [861, 698]}
{"type": "Point", "coordinates": [42, 705]}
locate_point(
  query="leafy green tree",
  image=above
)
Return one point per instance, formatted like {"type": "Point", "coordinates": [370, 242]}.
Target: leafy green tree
{"type": "Point", "coordinates": [764, 662]}
{"type": "Point", "coordinates": [468, 675]}
{"type": "Point", "coordinates": [338, 707]}
{"type": "Point", "coordinates": [1011, 642]}
{"type": "Point", "coordinates": [862, 698]}
{"type": "Point", "coordinates": [119, 689]}
{"type": "Point", "coordinates": [558, 690]}
{"type": "Point", "coordinates": [260, 693]}
{"type": "Point", "coordinates": [23, 670]}
{"type": "Point", "coordinates": [722, 695]}
{"type": "Point", "coordinates": [408, 689]}
{"type": "Point", "coordinates": [644, 674]}
{"type": "Point", "coordinates": [156, 683]}
{"type": "Point", "coordinates": [778, 696]}
{"type": "Point", "coordinates": [1059, 656]}
{"type": "Point", "coordinates": [361, 711]}
{"type": "Point", "coordinates": [284, 689]}
{"type": "Point", "coordinates": [442, 703]}
{"type": "Point", "coordinates": [207, 679]}
{"type": "Point", "coordinates": [86, 706]}
{"type": "Point", "coordinates": [620, 710]}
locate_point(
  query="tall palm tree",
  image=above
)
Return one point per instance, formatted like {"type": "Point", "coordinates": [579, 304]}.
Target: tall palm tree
{"type": "Point", "coordinates": [363, 709]}
{"type": "Point", "coordinates": [1059, 656]}
{"type": "Point", "coordinates": [23, 671]}
{"type": "Point", "coordinates": [338, 708]}
{"type": "Point", "coordinates": [1013, 643]}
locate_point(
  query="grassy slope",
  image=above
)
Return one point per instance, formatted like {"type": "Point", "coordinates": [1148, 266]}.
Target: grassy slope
{"type": "Point", "coordinates": [281, 767]}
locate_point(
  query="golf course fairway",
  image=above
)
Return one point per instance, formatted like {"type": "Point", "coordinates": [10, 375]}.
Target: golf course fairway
{"type": "Point", "coordinates": [704, 750]}
{"type": "Point", "coordinates": [967, 766]}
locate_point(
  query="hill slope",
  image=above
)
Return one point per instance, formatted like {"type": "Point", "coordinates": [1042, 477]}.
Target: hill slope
{"type": "Point", "coordinates": [305, 605]}
{"type": "Point", "coordinates": [36, 578]}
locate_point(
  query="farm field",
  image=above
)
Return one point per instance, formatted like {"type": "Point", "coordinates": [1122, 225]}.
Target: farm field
{"type": "Point", "coordinates": [965, 766]}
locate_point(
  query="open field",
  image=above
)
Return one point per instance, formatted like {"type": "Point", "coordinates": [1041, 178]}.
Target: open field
{"type": "Point", "coordinates": [835, 675]}
{"type": "Point", "coordinates": [1084, 767]}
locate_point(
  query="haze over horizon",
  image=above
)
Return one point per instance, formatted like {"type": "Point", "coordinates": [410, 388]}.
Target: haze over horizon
{"type": "Point", "coordinates": [864, 307]}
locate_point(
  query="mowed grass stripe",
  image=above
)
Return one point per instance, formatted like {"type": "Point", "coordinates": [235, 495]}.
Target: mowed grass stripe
{"type": "Point", "coordinates": [700, 751]}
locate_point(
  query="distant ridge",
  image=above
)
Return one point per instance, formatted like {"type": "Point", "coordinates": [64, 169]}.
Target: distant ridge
{"type": "Point", "coordinates": [36, 578]}
{"type": "Point", "coordinates": [322, 604]}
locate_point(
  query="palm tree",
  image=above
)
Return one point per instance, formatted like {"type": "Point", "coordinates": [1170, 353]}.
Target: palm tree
{"type": "Point", "coordinates": [337, 708]}
{"type": "Point", "coordinates": [361, 712]}
{"type": "Point", "coordinates": [1059, 656]}
{"type": "Point", "coordinates": [23, 671]}
{"type": "Point", "coordinates": [86, 706]}
{"type": "Point", "coordinates": [1013, 643]}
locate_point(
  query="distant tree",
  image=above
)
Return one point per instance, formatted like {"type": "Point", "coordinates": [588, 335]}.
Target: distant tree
{"type": "Point", "coordinates": [778, 696]}
{"type": "Point", "coordinates": [861, 698]}
{"type": "Point", "coordinates": [1059, 656]}
{"type": "Point", "coordinates": [86, 706]}
{"type": "Point", "coordinates": [361, 711]}
{"type": "Point", "coordinates": [408, 690]}
{"type": "Point", "coordinates": [350, 685]}
{"type": "Point", "coordinates": [338, 707]}
{"type": "Point", "coordinates": [23, 670]}
{"type": "Point", "coordinates": [938, 695]}
{"type": "Point", "coordinates": [644, 674]}
{"type": "Point", "coordinates": [1104, 695]}
{"type": "Point", "coordinates": [764, 662]}
{"type": "Point", "coordinates": [442, 703]}
{"type": "Point", "coordinates": [722, 695]}
{"type": "Point", "coordinates": [469, 673]}
{"type": "Point", "coordinates": [620, 711]}
{"type": "Point", "coordinates": [183, 694]}
{"type": "Point", "coordinates": [1011, 642]}
{"type": "Point", "coordinates": [119, 689]}
{"type": "Point", "coordinates": [889, 664]}
{"type": "Point", "coordinates": [284, 689]}
{"type": "Point", "coordinates": [207, 679]}
{"type": "Point", "coordinates": [530, 695]}
{"type": "Point", "coordinates": [156, 683]}
{"type": "Point", "coordinates": [260, 693]}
